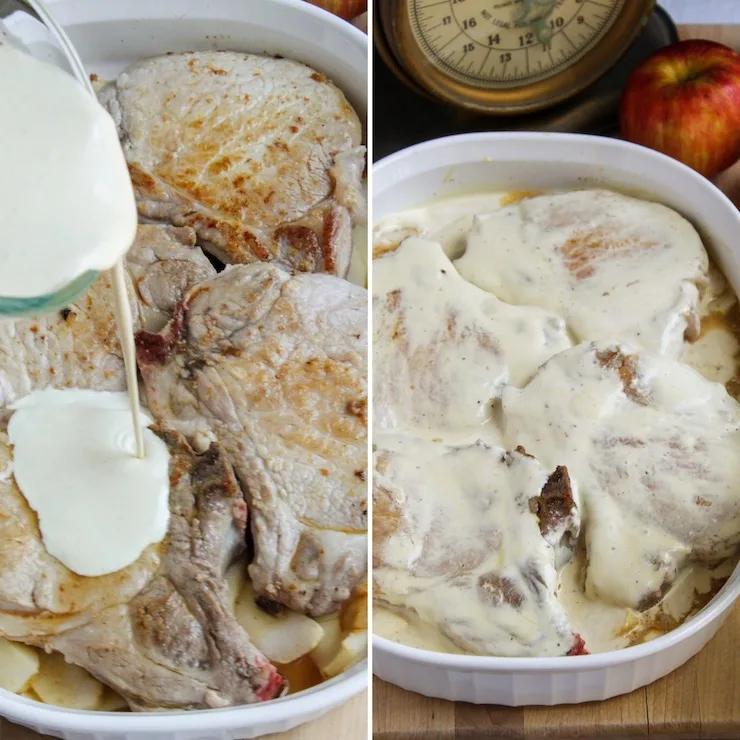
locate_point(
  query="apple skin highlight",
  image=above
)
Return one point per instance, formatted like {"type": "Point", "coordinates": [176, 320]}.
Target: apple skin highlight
{"type": "Point", "coordinates": [685, 102]}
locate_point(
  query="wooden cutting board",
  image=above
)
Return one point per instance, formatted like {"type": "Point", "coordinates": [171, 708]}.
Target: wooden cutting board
{"type": "Point", "coordinates": [699, 700]}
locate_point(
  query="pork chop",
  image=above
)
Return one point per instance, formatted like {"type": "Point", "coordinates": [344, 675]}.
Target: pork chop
{"type": "Point", "coordinates": [273, 366]}
{"type": "Point", "coordinates": [78, 347]}
{"type": "Point", "coordinates": [161, 632]}
{"type": "Point", "coordinates": [655, 449]}
{"type": "Point", "coordinates": [444, 348]}
{"type": "Point", "coordinates": [469, 539]}
{"type": "Point", "coordinates": [260, 156]}
{"type": "Point", "coordinates": [614, 267]}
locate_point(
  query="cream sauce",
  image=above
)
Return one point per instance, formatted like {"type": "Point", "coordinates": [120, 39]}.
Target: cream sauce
{"type": "Point", "coordinates": [98, 505]}
{"type": "Point", "coordinates": [467, 554]}
{"type": "Point", "coordinates": [405, 628]}
{"type": "Point", "coordinates": [614, 267]}
{"type": "Point", "coordinates": [602, 626]}
{"type": "Point", "coordinates": [446, 221]}
{"type": "Point", "coordinates": [128, 348]}
{"type": "Point", "coordinates": [714, 355]}
{"type": "Point", "coordinates": [716, 351]}
{"type": "Point", "coordinates": [687, 410]}
{"type": "Point", "coordinates": [443, 349]}
{"type": "Point", "coordinates": [655, 455]}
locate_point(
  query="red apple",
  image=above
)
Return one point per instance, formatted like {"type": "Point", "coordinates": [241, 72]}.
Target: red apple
{"type": "Point", "coordinates": [685, 102]}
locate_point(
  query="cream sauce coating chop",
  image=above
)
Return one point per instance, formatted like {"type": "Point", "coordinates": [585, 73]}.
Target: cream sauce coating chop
{"type": "Point", "coordinates": [655, 449]}
{"type": "Point", "coordinates": [614, 267]}
{"type": "Point", "coordinates": [446, 221]}
{"type": "Point", "coordinates": [443, 348]}
{"type": "Point", "coordinates": [469, 539]}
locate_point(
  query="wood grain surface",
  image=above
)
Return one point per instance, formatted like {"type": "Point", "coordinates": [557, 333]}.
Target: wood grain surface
{"type": "Point", "coordinates": [348, 722]}
{"type": "Point", "coordinates": [699, 700]}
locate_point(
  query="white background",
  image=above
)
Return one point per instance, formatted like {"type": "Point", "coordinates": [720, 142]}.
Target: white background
{"type": "Point", "coordinates": [703, 11]}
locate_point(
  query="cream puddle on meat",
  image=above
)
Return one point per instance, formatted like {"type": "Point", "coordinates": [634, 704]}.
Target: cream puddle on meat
{"type": "Point", "coordinates": [432, 328]}
{"type": "Point", "coordinates": [446, 221]}
{"type": "Point", "coordinates": [653, 446]}
{"type": "Point", "coordinates": [470, 539]}
{"type": "Point", "coordinates": [613, 266]}
{"type": "Point", "coordinates": [99, 506]}
{"type": "Point", "coordinates": [649, 443]}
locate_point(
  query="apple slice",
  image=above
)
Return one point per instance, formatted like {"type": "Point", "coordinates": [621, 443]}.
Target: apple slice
{"type": "Point", "coordinates": [354, 613]}
{"type": "Point", "coordinates": [18, 665]}
{"type": "Point", "coordinates": [111, 701]}
{"type": "Point", "coordinates": [283, 638]}
{"type": "Point", "coordinates": [352, 650]}
{"type": "Point", "coordinates": [331, 642]}
{"type": "Point", "coordinates": [66, 685]}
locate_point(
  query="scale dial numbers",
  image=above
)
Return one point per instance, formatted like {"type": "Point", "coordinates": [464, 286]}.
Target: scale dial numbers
{"type": "Point", "coordinates": [494, 43]}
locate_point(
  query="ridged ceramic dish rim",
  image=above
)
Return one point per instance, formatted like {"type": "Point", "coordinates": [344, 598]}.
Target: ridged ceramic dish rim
{"type": "Point", "coordinates": [532, 161]}
{"type": "Point", "coordinates": [295, 29]}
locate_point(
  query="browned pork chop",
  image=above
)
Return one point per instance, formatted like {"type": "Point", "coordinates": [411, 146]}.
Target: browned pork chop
{"type": "Point", "coordinates": [162, 631]}
{"type": "Point", "coordinates": [273, 366]}
{"type": "Point", "coordinates": [260, 156]}
{"type": "Point", "coordinates": [78, 347]}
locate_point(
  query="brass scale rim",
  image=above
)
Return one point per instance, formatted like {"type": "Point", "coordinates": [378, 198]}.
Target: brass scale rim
{"type": "Point", "coordinates": [397, 46]}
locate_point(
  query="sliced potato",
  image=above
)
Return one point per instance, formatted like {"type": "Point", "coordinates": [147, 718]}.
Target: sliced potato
{"type": "Point", "coordinates": [325, 652]}
{"type": "Point", "coordinates": [18, 665]}
{"type": "Point", "coordinates": [65, 685]}
{"type": "Point", "coordinates": [352, 651]}
{"type": "Point", "coordinates": [283, 638]}
{"type": "Point", "coordinates": [301, 674]}
{"type": "Point", "coordinates": [236, 578]}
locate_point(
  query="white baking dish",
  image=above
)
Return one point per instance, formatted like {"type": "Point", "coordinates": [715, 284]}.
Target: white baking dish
{"type": "Point", "coordinates": [109, 35]}
{"type": "Point", "coordinates": [530, 161]}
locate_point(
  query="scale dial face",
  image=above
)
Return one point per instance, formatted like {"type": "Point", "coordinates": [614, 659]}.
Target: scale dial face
{"type": "Point", "coordinates": [511, 55]}
{"type": "Point", "coordinates": [495, 44]}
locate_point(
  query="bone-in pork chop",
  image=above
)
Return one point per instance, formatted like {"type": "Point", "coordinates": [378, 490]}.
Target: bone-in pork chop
{"type": "Point", "coordinates": [468, 539]}
{"type": "Point", "coordinates": [445, 348]}
{"type": "Point", "coordinates": [616, 268]}
{"type": "Point", "coordinates": [162, 631]}
{"type": "Point", "coordinates": [655, 449]}
{"type": "Point", "coordinates": [260, 156]}
{"type": "Point", "coordinates": [78, 347]}
{"type": "Point", "coordinates": [273, 366]}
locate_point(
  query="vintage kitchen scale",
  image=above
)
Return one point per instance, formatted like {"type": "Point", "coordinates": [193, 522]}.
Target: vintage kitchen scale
{"type": "Point", "coordinates": [452, 66]}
